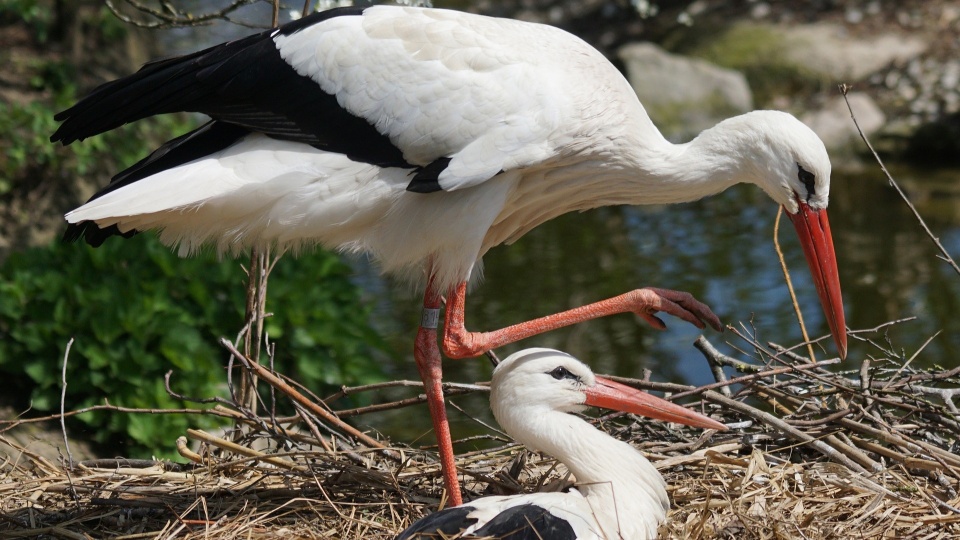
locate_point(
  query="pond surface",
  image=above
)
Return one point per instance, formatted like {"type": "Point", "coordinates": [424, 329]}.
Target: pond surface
{"type": "Point", "coordinates": [721, 250]}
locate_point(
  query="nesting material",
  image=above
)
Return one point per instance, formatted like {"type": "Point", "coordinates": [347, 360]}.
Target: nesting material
{"type": "Point", "coordinates": [813, 453]}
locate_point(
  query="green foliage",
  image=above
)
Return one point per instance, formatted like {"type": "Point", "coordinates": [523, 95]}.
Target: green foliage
{"type": "Point", "coordinates": [136, 311]}
{"type": "Point", "coordinates": [26, 153]}
{"type": "Point", "coordinates": [38, 17]}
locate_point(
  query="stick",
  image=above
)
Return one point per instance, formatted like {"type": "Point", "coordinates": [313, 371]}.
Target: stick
{"type": "Point", "coordinates": [402, 383]}
{"type": "Point", "coordinates": [449, 390]}
{"type": "Point", "coordinates": [688, 391]}
{"type": "Point", "coordinates": [786, 429]}
{"type": "Point", "coordinates": [707, 349]}
{"type": "Point", "coordinates": [185, 451]}
{"type": "Point", "coordinates": [63, 397]}
{"type": "Point", "coordinates": [944, 255]}
{"type": "Point", "coordinates": [786, 277]}
{"type": "Point", "coordinates": [243, 450]}
{"type": "Point", "coordinates": [279, 384]}
{"type": "Point", "coordinates": [107, 407]}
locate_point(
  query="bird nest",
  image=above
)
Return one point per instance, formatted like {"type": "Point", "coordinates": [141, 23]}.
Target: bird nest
{"type": "Point", "coordinates": [813, 453]}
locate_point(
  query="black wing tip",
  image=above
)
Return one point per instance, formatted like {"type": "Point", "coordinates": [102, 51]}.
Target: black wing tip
{"type": "Point", "coordinates": [93, 234]}
{"type": "Point", "coordinates": [427, 178]}
{"type": "Point", "coordinates": [527, 521]}
{"type": "Point", "coordinates": [446, 523]}
{"type": "Point", "coordinates": [59, 137]}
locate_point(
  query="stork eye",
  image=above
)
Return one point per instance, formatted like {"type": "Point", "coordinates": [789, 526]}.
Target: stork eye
{"type": "Point", "coordinates": [561, 372]}
{"type": "Point", "coordinates": [809, 181]}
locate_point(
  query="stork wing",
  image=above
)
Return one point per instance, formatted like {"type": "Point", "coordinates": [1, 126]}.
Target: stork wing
{"type": "Point", "coordinates": [534, 516]}
{"type": "Point", "coordinates": [458, 97]}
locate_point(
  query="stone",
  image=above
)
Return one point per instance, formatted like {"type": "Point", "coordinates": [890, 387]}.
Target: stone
{"type": "Point", "coordinates": [834, 125]}
{"type": "Point", "coordinates": [830, 50]}
{"type": "Point", "coordinates": [683, 96]}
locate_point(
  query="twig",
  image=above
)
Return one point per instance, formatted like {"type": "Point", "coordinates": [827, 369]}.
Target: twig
{"type": "Point", "coordinates": [689, 391]}
{"type": "Point", "coordinates": [880, 326]}
{"type": "Point", "coordinates": [946, 394]}
{"type": "Point", "coordinates": [172, 17]}
{"type": "Point", "coordinates": [243, 450]}
{"type": "Point", "coordinates": [63, 425]}
{"type": "Point", "coordinates": [786, 277]}
{"type": "Point", "coordinates": [708, 350]}
{"type": "Point", "coordinates": [820, 421]}
{"type": "Point", "coordinates": [402, 383]}
{"type": "Point", "coordinates": [279, 384]}
{"type": "Point", "coordinates": [257, 278]}
{"type": "Point", "coordinates": [900, 440]}
{"type": "Point", "coordinates": [449, 390]}
{"type": "Point", "coordinates": [786, 429]}
{"type": "Point", "coordinates": [185, 451]}
{"type": "Point", "coordinates": [305, 416]}
{"type": "Point", "coordinates": [63, 398]}
{"type": "Point", "coordinates": [181, 397]}
{"type": "Point", "coordinates": [945, 256]}
{"type": "Point", "coordinates": [10, 424]}
{"type": "Point", "coordinates": [912, 357]}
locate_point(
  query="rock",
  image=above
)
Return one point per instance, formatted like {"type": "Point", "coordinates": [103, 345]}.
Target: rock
{"type": "Point", "coordinates": [830, 50]}
{"type": "Point", "coordinates": [834, 125]}
{"type": "Point", "coordinates": [683, 96]}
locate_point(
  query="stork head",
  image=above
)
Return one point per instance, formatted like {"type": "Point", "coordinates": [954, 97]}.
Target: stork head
{"type": "Point", "coordinates": [537, 379]}
{"type": "Point", "coordinates": [790, 163]}
{"type": "Point", "coordinates": [785, 158]}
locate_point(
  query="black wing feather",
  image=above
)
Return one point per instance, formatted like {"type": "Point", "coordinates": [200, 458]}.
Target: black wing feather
{"type": "Point", "coordinates": [442, 524]}
{"type": "Point", "coordinates": [245, 86]}
{"type": "Point", "coordinates": [523, 522]}
{"type": "Point", "coordinates": [526, 522]}
{"type": "Point", "coordinates": [243, 82]}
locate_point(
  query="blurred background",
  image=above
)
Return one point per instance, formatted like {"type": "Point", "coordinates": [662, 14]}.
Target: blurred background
{"type": "Point", "coordinates": [135, 311]}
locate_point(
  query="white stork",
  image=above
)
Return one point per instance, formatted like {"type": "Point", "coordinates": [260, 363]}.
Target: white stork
{"type": "Point", "coordinates": [619, 494]}
{"type": "Point", "coordinates": [423, 138]}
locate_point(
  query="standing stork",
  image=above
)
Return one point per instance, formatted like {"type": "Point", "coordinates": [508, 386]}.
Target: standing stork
{"type": "Point", "coordinates": [619, 494]}
{"type": "Point", "coordinates": [423, 138]}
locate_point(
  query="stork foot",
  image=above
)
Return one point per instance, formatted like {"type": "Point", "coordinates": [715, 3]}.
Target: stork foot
{"type": "Point", "coordinates": [682, 305]}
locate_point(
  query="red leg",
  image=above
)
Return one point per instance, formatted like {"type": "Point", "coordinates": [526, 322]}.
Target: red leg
{"type": "Point", "coordinates": [459, 343]}
{"type": "Point", "coordinates": [427, 353]}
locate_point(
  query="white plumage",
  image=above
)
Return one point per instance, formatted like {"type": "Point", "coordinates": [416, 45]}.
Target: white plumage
{"type": "Point", "coordinates": [619, 493]}
{"type": "Point", "coordinates": [493, 95]}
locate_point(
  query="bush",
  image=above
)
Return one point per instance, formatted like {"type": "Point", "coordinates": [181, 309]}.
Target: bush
{"type": "Point", "coordinates": [136, 311]}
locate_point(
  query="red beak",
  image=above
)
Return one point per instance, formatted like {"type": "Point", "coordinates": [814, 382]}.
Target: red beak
{"type": "Point", "coordinates": [620, 397]}
{"type": "Point", "coordinates": [813, 228]}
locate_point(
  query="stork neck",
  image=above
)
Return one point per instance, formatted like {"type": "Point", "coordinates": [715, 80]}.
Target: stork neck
{"type": "Point", "coordinates": [625, 489]}
{"type": "Point", "coordinates": [674, 173]}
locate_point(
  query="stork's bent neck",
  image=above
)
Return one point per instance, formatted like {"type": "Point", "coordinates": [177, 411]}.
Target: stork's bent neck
{"type": "Point", "coordinates": [667, 173]}
{"type": "Point", "coordinates": [626, 492]}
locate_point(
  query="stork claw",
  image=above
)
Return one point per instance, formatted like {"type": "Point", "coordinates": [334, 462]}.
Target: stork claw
{"type": "Point", "coordinates": [681, 305]}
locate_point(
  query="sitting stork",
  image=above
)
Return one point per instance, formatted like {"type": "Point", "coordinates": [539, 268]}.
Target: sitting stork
{"type": "Point", "coordinates": [619, 494]}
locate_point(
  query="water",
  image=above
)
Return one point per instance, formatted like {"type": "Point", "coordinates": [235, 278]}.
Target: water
{"type": "Point", "coordinates": [721, 250]}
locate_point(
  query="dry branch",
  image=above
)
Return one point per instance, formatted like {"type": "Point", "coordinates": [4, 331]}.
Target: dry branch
{"type": "Point", "coordinates": [944, 255]}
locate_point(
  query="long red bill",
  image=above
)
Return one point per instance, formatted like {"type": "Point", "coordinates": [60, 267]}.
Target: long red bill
{"type": "Point", "coordinates": [620, 397]}
{"type": "Point", "coordinates": [813, 228]}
